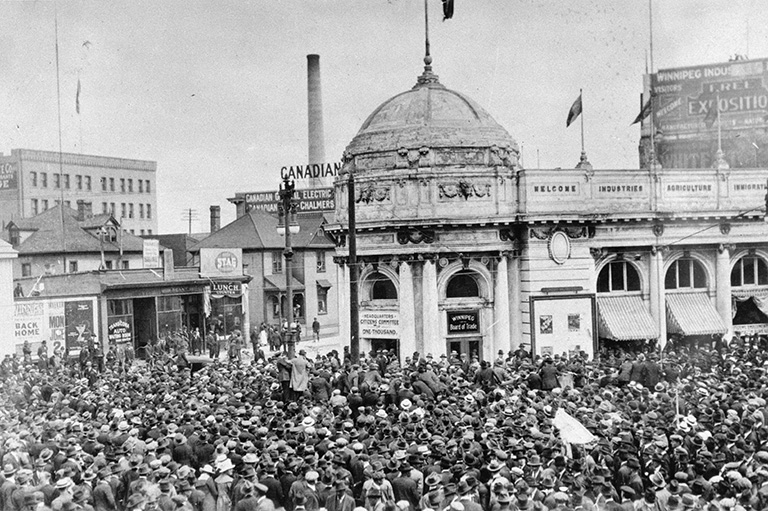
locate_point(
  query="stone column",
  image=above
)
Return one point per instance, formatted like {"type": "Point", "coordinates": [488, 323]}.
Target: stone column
{"type": "Point", "coordinates": [501, 340]}
{"type": "Point", "coordinates": [343, 283]}
{"type": "Point", "coordinates": [515, 312]}
{"type": "Point", "coordinates": [657, 293]}
{"type": "Point", "coordinates": [723, 285]}
{"type": "Point", "coordinates": [407, 312]}
{"type": "Point", "coordinates": [429, 312]}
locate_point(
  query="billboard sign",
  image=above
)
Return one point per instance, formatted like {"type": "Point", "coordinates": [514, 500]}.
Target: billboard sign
{"type": "Point", "coordinates": [151, 254]}
{"type": "Point", "coordinates": [311, 200]}
{"type": "Point", "coordinates": [60, 322]}
{"type": "Point", "coordinates": [563, 324]}
{"type": "Point", "coordinates": [9, 175]}
{"type": "Point", "coordinates": [221, 262]}
{"type": "Point", "coordinates": [687, 99]}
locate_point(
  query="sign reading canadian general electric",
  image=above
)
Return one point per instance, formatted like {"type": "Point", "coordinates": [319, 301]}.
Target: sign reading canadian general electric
{"type": "Point", "coordinates": [379, 325]}
{"type": "Point", "coordinates": [308, 201]}
{"type": "Point", "coordinates": [688, 98]}
{"type": "Point", "coordinates": [221, 262]}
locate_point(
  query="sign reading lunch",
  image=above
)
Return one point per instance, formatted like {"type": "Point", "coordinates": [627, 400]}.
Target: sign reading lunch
{"type": "Point", "coordinates": [379, 325]}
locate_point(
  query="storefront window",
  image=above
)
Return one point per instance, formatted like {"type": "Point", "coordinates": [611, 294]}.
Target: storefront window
{"type": "Point", "coordinates": [229, 312]}
{"type": "Point", "coordinates": [749, 271]}
{"type": "Point", "coordinates": [382, 288]}
{"type": "Point", "coordinates": [322, 300]}
{"type": "Point", "coordinates": [618, 276]}
{"type": "Point", "coordinates": [169, 312]}
{"type": "Point", "coordinates": [685, 273]}
{"type": "Point", "coordinates": [462, 285]}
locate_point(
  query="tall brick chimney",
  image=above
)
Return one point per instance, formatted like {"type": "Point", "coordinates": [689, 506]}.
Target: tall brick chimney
{"type": "Point", "coordinates": [215, 218]}
{"type": "Point", "coordinates": [316, 138]}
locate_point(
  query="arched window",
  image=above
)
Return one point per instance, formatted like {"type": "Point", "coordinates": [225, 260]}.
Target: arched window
{"type": "Point", "coordinates": [382, 288]}
{"type": "Point", "coordinates": [462, 285]}
{"type": "Point", "coordinates": [685, 273]}
{"type": "Point", "coordinates": [618, 276]}
{"type": "Point", "coordinates": [749, 271]}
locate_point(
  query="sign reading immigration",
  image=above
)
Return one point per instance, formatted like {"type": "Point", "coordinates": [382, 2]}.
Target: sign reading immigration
{"type": "Point", "coordinates": [379, 325]}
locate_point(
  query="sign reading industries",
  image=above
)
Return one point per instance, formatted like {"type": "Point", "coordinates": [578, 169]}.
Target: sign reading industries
{"type": "Point", "coordinates": [309, 201]}
{"type": "Point", "coordinates": [8, 176]}
{"type": "Point", "coordinates": [687, 99]}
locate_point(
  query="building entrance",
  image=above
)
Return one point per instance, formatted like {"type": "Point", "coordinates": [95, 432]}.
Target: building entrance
{"type": "Point", "coordinates": [470, 346]}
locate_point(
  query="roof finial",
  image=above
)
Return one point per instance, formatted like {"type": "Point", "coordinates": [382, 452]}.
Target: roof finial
{"type": "Point", "coordinates": [427, 77]}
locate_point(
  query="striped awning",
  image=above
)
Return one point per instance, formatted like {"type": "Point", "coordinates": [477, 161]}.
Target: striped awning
{"type": "Point", "coordinates": [625, 318]}
{"type": "Point", "coordinates": [693, 314]}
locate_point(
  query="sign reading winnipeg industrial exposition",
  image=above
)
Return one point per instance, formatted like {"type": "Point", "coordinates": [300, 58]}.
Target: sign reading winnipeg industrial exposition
{"type": "Point", "coordinates": [686, 107]}
{"type": "Point", "coordinates": [688, 98]}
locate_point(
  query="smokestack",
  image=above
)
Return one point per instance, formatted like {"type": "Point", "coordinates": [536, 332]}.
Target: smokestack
{"type": "Point", "coordinates": [315, 118]}
{"type": "Point", "coordinates": [215, 218]}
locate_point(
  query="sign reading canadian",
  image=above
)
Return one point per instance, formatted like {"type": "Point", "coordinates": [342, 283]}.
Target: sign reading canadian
{"type": "Point", "coordinates": [221, 262]}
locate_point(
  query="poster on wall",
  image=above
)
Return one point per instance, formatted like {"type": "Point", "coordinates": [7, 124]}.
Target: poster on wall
{"type": "Point", "coordinates": [78, 317]}
{"type": "Point", "coordinates": [55, 321]}
{"type": "Point", "coordinates": [119, 331]}
{"type": "Point", "coordinates": [564, 325]}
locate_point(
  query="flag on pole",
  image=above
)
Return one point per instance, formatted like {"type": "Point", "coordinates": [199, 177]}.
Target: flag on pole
{"type": "Point", "coordinates": [447, 9]}
{"type": "Point", "coordinates": [77, 97]}
{"type": "Point", "coordinates": [645, 112]}
{"type": "Point", "coordinates": [574, 112]}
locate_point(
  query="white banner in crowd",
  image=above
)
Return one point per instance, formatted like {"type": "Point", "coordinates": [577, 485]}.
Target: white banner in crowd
{"type": "Point", "coordinates": [571, 430]}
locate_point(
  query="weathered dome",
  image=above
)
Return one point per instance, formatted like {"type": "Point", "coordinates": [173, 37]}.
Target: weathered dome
{"type": "Point", "coordinates": [429, 115]}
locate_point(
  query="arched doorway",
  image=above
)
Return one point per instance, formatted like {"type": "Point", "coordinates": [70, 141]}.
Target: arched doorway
{"type": "Point", "coordinates": [379, 313]}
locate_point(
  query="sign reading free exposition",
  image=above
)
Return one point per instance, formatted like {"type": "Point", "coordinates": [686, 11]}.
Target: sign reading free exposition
{"type": "Point", "coordinates": [688, 98]}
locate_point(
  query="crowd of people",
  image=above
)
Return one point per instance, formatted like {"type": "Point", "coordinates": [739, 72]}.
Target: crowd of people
{"type": "Point", "coordinates": [682, 431]}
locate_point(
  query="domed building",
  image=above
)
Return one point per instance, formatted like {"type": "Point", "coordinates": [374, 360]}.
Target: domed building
{"type": "Point", "coordinates": [461, 249]}
{"type": "Point", "coordinates": [435, 205]}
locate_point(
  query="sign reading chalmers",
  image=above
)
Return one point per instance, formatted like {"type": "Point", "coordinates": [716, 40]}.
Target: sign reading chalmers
{"type": "Point", "coordinates": [308, 201]}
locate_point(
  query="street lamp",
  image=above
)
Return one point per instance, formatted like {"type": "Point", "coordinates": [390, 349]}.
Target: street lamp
{"type": "Point", "coordinates": [287, 225]}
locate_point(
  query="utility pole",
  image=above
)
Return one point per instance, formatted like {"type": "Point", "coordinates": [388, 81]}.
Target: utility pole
{"type": "Point", "coordinates": [286, 209]}
{"type": "Point", "coordinates": [189, 215]}
{"type": "Point", "coordinates": [354, 327]}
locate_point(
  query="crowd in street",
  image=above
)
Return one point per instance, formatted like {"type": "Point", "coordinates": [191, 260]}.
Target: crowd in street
{"type": "Point", "coordinates": [682, 431]}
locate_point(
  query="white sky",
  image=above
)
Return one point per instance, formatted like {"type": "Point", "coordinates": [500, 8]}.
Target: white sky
{"type": "Point", "coordinates": [215, 91]}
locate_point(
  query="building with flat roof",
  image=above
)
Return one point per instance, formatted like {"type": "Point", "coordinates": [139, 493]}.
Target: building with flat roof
{"type": "Point", "coordinates": [460, 248]}
{"type": "Point", "coordinates": [32, 182]}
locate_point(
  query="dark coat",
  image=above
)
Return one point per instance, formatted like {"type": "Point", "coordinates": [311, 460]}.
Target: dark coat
{"type": "Point", "coordinates": [548, 375]}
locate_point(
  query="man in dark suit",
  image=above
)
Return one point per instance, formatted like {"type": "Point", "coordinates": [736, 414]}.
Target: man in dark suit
{"type": "Point", "coordinates": [274, 488]}
{"type": "Point", "coordinates": [103, 497]}
{"type": "Point", "coordinates": [340, 499]}
{"type": "Point", "coordinates": [406, 488]}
